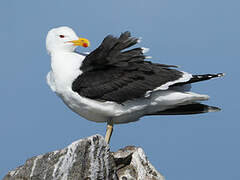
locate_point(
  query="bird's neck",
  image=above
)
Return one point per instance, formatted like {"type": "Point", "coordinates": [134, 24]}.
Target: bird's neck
{"type": "Point", "coordinates": [65, 68]}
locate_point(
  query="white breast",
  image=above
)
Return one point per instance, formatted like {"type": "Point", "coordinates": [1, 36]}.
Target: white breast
{"type": "Point", "coordinates": [65, 69]}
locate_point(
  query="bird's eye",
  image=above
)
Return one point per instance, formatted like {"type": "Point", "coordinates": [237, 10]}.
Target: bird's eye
{"type": "Point", "coordinates": [61, 36]}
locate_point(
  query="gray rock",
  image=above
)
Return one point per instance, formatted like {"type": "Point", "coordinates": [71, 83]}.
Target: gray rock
{"type": "Point", "coordinates": [87, 159]}
{"type": "Point", "coordinates": [132, 164]}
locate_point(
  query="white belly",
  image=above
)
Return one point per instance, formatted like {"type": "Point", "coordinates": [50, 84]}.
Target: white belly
{"type": "Point", "coordinates": [102, 111]}
{"type": "Point", "coordinates": [118, 113]}
{"type": "Point", "coordinates": [123, 113]}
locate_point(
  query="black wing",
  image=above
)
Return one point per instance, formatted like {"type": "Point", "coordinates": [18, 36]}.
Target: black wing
{"type": "Point", "coordinates": [111, 74]}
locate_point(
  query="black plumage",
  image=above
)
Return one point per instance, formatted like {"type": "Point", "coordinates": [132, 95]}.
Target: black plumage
{"type": "Point", "coordinates": [197, 78]}
{"type": "Point", "coordinates": [112, 73]}
{"type": "Point", "coordinates": [188, 109]}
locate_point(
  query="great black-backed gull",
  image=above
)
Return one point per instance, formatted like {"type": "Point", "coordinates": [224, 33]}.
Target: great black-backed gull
{"type": "Point", "coordinates": [115, 84]}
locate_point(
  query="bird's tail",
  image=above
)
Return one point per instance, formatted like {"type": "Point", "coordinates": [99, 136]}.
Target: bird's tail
{"type": "Point", "coordinates": [196, 108]}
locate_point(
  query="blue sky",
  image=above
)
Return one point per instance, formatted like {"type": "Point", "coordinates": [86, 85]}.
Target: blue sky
{"type": "Point", "coordinates": [202, 36]}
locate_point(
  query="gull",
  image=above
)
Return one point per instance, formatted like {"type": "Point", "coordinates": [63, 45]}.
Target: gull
{"type": "Point", "coordinates": [115, 83]}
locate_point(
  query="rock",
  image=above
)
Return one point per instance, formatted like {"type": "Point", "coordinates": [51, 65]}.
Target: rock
{"type": "Point", "coordinates": [132, 164]}
{"type": "Point", "coordinates": [87, 159]}
{"type": "Point", "coordinates": [84, 159]}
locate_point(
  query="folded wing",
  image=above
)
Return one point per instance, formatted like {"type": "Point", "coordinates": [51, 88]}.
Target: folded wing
{"type": "Point", "coordinates": [112, 73]}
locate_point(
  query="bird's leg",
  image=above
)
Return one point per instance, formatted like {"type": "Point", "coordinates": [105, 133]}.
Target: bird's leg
{"type": "Point", "coordinates": [109, 131]}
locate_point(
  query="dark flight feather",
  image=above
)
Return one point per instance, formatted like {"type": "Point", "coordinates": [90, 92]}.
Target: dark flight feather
{"type": "Point", "coordinates": [195, 108]}
{"type": "Point", "coordinates": [112, 74]}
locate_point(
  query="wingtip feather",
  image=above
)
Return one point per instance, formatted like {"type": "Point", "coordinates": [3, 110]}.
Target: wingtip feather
{"type": "Point", "coordinates": [213, 109]}
{"type": "Point", "coordinates": [144, 50]}
{"type": "Point", "coordinates": [221, 74]}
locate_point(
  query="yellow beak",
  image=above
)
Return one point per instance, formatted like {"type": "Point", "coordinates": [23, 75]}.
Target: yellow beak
{"type": "Point", "coordinates": [81, 42]}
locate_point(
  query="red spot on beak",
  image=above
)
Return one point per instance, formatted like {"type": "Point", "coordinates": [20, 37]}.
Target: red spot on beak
{"type": "Point", "coordinates": [85, 45]}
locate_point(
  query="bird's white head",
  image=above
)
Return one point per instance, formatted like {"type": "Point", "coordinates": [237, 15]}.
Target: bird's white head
{"type": "Point", "coordinates": [64, 39]}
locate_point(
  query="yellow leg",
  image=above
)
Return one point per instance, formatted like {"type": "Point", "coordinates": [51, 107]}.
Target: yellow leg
{"type": "Point", "coordinates": [109, 131]}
